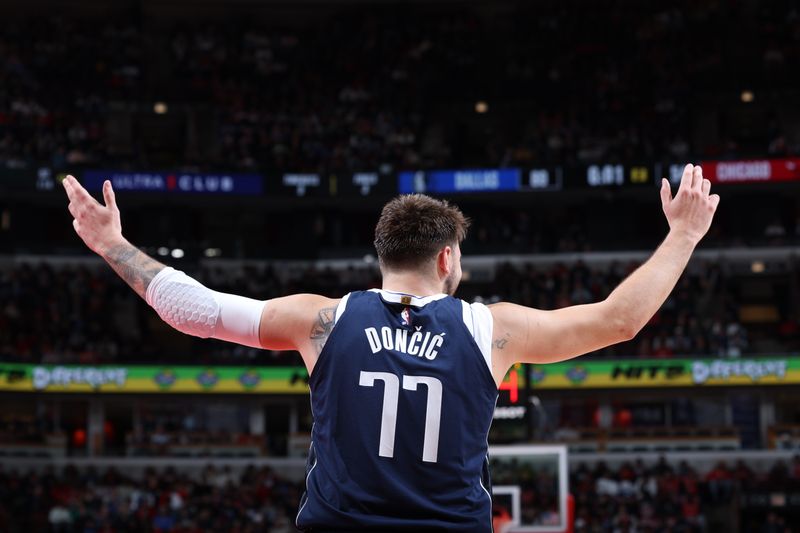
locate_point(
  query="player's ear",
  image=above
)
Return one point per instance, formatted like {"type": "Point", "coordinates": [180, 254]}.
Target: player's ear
{"type": "Point", "coordinates": [444, 261]}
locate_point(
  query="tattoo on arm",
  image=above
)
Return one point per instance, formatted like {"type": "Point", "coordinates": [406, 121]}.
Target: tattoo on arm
{"type": "Point", "coordinates": [134, 266]}
{"type": "Point", "coordinates": [501, 342]}
{"type": "Point", "coordinates": [322, 327]}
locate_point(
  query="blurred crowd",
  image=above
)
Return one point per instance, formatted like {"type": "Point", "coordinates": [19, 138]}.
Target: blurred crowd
{"type": "Point", "coordinates": [648, 498]}
{"type": "Point", "coordinates": [86, 314]}
{"type": "Point", "coordinates": [299, 100]}
{"type": "Point", "coordinates": [58, 80]}
{"type": "Point", "coordinates": [358, 89]}
{"type": "Point", "coordinates": [218, 500]}
{"type": "Point", "coordinates": [633, 497]}
{"type": "Point", "coordinates": [669, 497]}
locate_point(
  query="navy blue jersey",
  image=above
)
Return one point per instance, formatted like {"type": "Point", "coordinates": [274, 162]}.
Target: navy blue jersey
{"type": "Point", "coordinates": [402, 398]}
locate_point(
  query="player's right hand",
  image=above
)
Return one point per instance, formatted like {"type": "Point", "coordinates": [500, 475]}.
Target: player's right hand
{"type": "Point", "coordinates": [692, 209]}
{"type": "Point", "coordinates": [98, 225]}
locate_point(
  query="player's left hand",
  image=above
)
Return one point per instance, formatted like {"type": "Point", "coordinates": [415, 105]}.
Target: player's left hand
{"type": "Point", "coordinates": [98, 225]}
{"type": "Point", "coordinates": [692, 209]}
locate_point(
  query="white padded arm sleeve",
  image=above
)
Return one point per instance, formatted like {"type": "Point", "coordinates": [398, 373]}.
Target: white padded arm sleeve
{"type": "Point", "coordinates": [191, 308]}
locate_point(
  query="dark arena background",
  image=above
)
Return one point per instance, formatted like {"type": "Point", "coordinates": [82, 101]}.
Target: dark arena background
{"type": "Point", "coordinates": [252, 143]}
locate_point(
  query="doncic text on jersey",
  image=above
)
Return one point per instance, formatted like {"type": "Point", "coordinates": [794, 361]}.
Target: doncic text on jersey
{"type": "Point", "coordinates": [399, 340]}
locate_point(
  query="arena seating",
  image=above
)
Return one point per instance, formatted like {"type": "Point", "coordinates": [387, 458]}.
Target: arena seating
{"type": "Point", "coordinates": [635, 495]}
{"type": "Point", "coordinates": [362, 88]}
{"type": "Point", "coordinates": [168, 500]}
{"type": "Point", "coordinates": [109, 324]}
{"type": "Point", "coordinates": [195, 444]}
{"type": "Point", "coordinates": [643, 439]}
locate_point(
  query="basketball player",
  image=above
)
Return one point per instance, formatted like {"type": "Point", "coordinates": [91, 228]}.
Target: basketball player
{"type": "Point", "coordinates": [404, 379]}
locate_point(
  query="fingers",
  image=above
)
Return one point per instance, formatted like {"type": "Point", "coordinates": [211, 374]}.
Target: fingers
{"type": "Point", "coordinates": [697, 177]}
{"type": "Point", "coordinates": [76, 192]}
{"type": "Point", "coordinates": [686, 178]}
{"type": "Point", "coordinates": [704, 185]}
{"type": "Point", "coordinates": [81, 193]}
{"type": "Point", "coordinates": [73, 209]}
{"type": "Point", "coordinates": [666, 194]}
{"type": "Point", "coordinates": [81, 202]}
{"type": "Point", "coordinates": [67, 187]}
{"type": "Point", "coordinates": [108, 195]}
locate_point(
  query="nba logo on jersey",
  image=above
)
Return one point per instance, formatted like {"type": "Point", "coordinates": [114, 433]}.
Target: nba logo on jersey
{"type": "Point", "coordinates": [406, 316]}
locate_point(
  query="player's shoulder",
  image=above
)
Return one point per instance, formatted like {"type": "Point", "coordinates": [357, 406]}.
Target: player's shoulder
{"type": "Point", "coordinates": [476, 307]}
{"type": "Point", "coordinates": [306, 302]}
{"type": "Point", "coordinates": [355, 303]}
{"type": "Point", "coordinates": [476, 315]}
{"type": "Point", "coordinates": [501, 309]}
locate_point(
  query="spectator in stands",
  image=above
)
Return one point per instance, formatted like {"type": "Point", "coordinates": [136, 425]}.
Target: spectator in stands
{"type": "Point", "coordinates": [720, 482]}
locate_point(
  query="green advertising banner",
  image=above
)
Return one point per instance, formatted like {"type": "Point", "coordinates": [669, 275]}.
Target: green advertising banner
{"type": "Point", "coordinates": [620, 373]}
{"type": "Point", "coordinates": [152, 379]}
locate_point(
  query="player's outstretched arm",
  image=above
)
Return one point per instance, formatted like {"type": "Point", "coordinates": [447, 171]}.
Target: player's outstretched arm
{"type": "Point", "coordinates": [300, 322]}
{"type": "Point", "coordinates": [523, 334]}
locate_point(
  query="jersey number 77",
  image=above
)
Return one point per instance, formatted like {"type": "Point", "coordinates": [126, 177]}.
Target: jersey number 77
{"type": "Point", "coordinates": [391, 393]}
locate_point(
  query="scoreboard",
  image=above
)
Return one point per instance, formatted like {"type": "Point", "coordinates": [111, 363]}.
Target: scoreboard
{"type": "Point", "coordinates": [618, 176]}
{"type": "Point", "coordinates": [384, 183]}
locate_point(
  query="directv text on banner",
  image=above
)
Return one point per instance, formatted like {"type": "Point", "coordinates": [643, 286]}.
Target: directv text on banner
{"type": "Point", "coordinates": [63, 376]}
{"type": "Point", "coordinates": [179, 183]}
{"type": "Point", "coordinates": [459, 181]}
{"type": "Point", "coordinates": [665, 373]}
{"type": "Point", "coordinates": [137, 379]}
{"type": "Point", "coordinates": [703, 371]}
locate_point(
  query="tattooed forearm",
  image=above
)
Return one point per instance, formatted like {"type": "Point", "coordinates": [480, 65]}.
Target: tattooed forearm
{"type": "Point", "coordinates": [134, 266]}
{"type": "Point", "coordinates": [322, 327]}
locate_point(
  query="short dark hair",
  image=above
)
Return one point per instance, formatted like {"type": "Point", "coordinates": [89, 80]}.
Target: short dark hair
{"type": "Point", "coordinates": [414, 227]}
